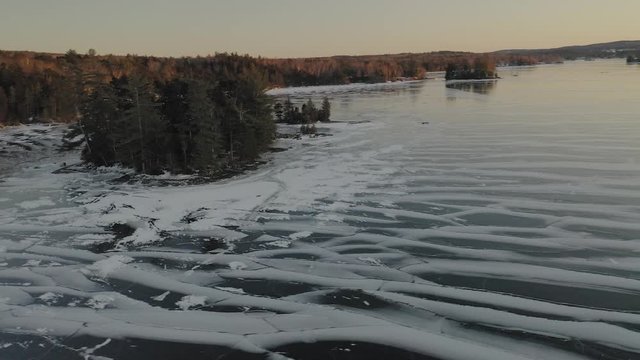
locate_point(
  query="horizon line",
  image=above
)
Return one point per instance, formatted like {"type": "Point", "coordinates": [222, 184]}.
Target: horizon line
{"type": "Point", "coordinates": [317, 57]}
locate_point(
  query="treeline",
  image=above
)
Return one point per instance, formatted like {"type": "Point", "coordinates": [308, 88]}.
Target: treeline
{"type": "Point", "coordinates": [45, 86]}
{"type": "Point", "coordinates": [308, 113]}
{"type": "Point", "coordinates": [381, 68]}
{"type": "Point", "coordinates": [36, 86]}
{"type": "Point", "coordinates": [183, 125]}
{"type": "Point", "coordinates": [616, 49]}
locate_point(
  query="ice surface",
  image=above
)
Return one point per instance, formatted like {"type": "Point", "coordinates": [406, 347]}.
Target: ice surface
{"type": "Point", "coordinates": [502, 229]}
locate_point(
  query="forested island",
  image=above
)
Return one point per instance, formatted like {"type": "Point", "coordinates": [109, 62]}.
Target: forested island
{"type": "Point", "coordinates": [183, 125]}
{"type": "Point", "coordinates": [481, 68]}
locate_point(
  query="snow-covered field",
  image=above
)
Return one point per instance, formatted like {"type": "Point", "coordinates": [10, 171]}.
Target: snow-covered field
{"type": "Point", "coordinates": [433, 223]}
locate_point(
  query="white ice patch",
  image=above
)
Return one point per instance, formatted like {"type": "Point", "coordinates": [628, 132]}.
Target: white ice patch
{"type": "Point", "coordinates": [100, 301]}
{"type": "Point", "coordinates": [300, 235]}
{"type": "Point", "coordinates": [35, 204]}
{"type": "Point", "coordinates": [280, 243]}
{"type": "Point", "coordinates": [49, 297]}
{"type": "Point", "coordinates": [191, 301]}
{"type": "Point", "coordinates": [237, 265]}
{"type": "Point", "coordinates": [161, 297]}
{"type": "Point", "coordinates": [231, 290]}
{"type": "Point", "coordinates": [104, 268]}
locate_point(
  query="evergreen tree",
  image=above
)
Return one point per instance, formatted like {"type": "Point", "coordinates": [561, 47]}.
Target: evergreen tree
{"type": "Point", "coordinates": [174, 109]}
{"type": "Point", "coordinates": [278, 110]}
{"type": "Point", "coordinates": [205, 139]}
{"type": "Point", "coordinates": [98, 123]}
{"type": "Point", "coordinates": [147, 143]}
{"type": "Point", "coordinates": [309, 112]}
{"type": "Point", "coordinates": [325, 111]}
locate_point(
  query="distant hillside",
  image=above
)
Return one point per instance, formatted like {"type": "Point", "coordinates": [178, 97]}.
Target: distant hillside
{"type": "Point", "coordinates": [619, 49]}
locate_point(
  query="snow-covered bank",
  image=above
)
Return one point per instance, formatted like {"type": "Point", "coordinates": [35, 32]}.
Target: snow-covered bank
{"type": "Point", "coordinates": [337, 89]}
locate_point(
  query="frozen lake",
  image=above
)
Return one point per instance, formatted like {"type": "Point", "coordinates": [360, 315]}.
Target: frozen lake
{"type": "Point", "coordinates": [492, 221]}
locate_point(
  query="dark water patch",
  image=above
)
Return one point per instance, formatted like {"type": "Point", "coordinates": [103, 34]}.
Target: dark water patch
{"type": "Point", "coordinates": [603, 270]}
{"type": "Point", "coordinates": [269, 288]}
{"type": "Point", "coordinates": [589, 349]}
{"type": "Point", "coordinates": [357, 223]}
{"type": "Point", "coordinates": [567, 213]}
{"type": "Point", "coordinates": [470, 302]}
{"type": "Point", "coordinates": [467, 202]}
{"type": "Point", "coordinates": [418, 223]}
{"type": "Point", "coordinates": [480, 244]}
{"type": "Point", "coordinates": [425, 252]}
{"type": "Point", "coordinates": [497, 219]}
{"type": "Point", "coordinates": [182, 264]}
{"type": "Point", "coordinates": [294, 255]}
{"type": "Point", "coordinates": [605, 232]}
{"type": "Point", "coordinates": [101, 247]}
{"type": "Point", "coordinates": [521, 234]}
{"type": "Point", "coordinates": [378, 231]}
{"type": "Point", "coordinates": [55, 348]}
{"type": "Point", "coordinates": [120, 230]}
{"type": "Point", "coordinates": [146, 294]}
{"type": "Point", "coordinates": [192, 243]}
{"type": "Point", "coordinates": [363, 249]}
{"type": "Point", "coordinates": [559, 294]}
{"type": "Point", "coordinates": [567, 198]}
{"type": "Point", "coordinates": [195, 215]}
{"type": "Point", "coordinates": [368, 214]}
{"type": "Point", "coordinates": [347, 350]}
{"type": "Point", "coordinates": [353, 298]}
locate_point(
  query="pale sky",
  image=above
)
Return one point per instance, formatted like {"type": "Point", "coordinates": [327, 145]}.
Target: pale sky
{"type": "Point", "coordinates": [302, 28]}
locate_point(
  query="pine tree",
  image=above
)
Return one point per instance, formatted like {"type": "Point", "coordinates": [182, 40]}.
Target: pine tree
{"type": "Point", "coordinates": [288, 111]}
{"type": "Point", "coordinates": [174, 110]}
{"type": "Point", "coordinates": [205, 140]}
{"type": "Point", "coordinates": [325, 111]}
{"type": "Point", "coordinates": [309, 112]}
{"type": "Point", "coordinates": [278, 110]}
{"type": "Point", "coordinates": [140, 141]}
{"type": "Point", "coordinates": [98, 122]}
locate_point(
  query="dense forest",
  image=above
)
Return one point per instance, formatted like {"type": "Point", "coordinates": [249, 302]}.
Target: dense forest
{"type": "Point", "coordinates": [182, 125]}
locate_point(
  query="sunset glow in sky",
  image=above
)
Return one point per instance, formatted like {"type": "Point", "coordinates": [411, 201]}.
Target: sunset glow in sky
{"type": "Point", "coordinates": [302, 28]}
